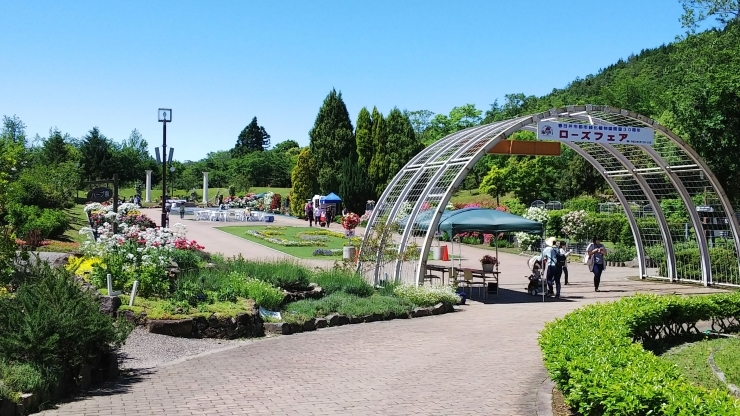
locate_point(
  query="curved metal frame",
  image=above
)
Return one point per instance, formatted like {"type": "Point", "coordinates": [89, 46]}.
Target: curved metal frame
{"type": "Point", "coordinates": [472, 144]}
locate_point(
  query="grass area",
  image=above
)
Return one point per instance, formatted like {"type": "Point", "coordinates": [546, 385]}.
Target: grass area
{"type": "Point", "coordinates": [692, 360]}
{"type": "Point", "coordinates": [472, 196]}
{"type": "Point", "coordinates": [165, 309]}
{"type": "Point", "coordinates": [291, 233]}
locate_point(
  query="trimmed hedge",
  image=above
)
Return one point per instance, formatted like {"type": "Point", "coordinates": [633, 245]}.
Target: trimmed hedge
{"type": "Point", "coordinates": [595, 357]}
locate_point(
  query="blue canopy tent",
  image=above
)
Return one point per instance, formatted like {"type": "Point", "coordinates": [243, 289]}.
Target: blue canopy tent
{"type": "Point", "coordinates": [332, 198]}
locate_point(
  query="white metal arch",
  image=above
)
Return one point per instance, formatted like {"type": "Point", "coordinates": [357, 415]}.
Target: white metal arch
{"type": "Point", "coordinates": [427, 182]}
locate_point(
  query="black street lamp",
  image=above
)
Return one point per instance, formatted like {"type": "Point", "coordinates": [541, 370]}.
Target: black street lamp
{"type": "Point", "coordinates": [164, 116]}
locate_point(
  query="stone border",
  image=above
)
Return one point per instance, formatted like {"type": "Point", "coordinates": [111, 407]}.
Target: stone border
{"type": "Point", "coordinates": [333, 320]}
{"type": "Point", "coordinates": [543, 403]}
{"type": "Point", "coordinates": [721, 375]}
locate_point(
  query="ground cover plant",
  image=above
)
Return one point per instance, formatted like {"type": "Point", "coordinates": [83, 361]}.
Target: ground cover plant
{"type": "Point", "coordinates": [601, 356]}
{"type": "Point", "coordinates": [692, 360]}
{"type": "Point", "coordinates": [301, 242]}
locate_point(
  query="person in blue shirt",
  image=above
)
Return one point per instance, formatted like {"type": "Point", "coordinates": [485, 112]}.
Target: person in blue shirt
{"type": "Point", "coordinates": [550, 265]}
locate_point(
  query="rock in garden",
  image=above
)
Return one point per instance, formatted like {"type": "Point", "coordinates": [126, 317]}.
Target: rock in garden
{"type": "Point", "coordinates": [320, 323]}
{"type": "Point", "coordinates": [438, 309]}
{"type": "Point", "coordinates": [309, 325]}
{"type": "Point", "coordinates": [279, 328]}
{"type": "Point", "coordinates": [355, 320]}
{"type": "Point", "coordinates": [109, 304]}
{"type": "Point", "coordinates": [174, 328]}
{"type": "Point", "coordinates": [332, 320]}
{"type": "Point", "coordinates": [419, 312]}
{"type": "Point", "coordinates": [128, 316]}
{"type": "Point", "coordinates": [342, 320]}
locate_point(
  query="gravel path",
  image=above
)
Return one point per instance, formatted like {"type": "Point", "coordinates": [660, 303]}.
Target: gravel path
{"type": "Point", "coordinates": [144, 350]}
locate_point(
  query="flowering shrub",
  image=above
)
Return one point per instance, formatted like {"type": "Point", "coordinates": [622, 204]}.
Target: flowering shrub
{"type": "Point", "coordinates": [350, 221]}
{"type": "Point", "coordinates": [308, 237]}
{"type": "Point", "coordinates": [324, 232]}
{"type": "Point", "coordinates": [526, 240]}
{"type": "Point", "coordinates": [275, 204]}
{"type": "Point", "coordinates": [575, 224]}
{"type": "Point", "coordinates": [426, 295]}
{"type": "Point", "coordinates": [536, 214]}
{"type": "Point", "coordinates": [327, 252]}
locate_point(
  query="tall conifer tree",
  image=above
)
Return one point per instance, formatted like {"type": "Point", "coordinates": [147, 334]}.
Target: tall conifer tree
{"type": "Point", "coordinates": [378, 170]}
{"type": "Point", "coordinates": [364, 139]}
{"type": "Point", "coordinates": [253, 138]}
{"type": "Point", "coordinates": [402, 141]}
{"type": "Point", "coordinates": [303, 179]}
{"type": "Point", "coordinates": [332, 140]}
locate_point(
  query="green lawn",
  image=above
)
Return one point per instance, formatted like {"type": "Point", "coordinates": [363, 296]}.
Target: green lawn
{"type": "Point", "coordinates": [290, 233]}
{"type": "Point", "coordinates": [692, 360]}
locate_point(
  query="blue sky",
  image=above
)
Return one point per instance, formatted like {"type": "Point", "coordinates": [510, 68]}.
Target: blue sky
{"type": "Point", "coordinates": [217, 64]}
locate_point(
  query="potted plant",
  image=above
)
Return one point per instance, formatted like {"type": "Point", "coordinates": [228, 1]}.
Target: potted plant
{"type": "Point", "coordinates": [350, 221]}
{"type": "Point", "coordinates": [487, 263]}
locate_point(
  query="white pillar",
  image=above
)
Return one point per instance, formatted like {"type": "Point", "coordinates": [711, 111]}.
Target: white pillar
{"type": "Point", "coordinates": [205, 187]}
{"type": "Point", "coordinates": [148, 186]}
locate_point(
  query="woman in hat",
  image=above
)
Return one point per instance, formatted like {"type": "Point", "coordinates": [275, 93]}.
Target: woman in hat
{"type": "Point", "coordinates": [550, 265]}
{"type": "Point", "coordinates": [596, 252]}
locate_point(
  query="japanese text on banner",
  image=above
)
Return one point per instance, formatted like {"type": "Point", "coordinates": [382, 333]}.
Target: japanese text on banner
{"type": "Point", "coordinates": [590, 133]}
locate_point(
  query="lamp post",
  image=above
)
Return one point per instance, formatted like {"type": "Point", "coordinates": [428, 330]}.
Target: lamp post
{"type": "Point", "coordinates": [164, 116]}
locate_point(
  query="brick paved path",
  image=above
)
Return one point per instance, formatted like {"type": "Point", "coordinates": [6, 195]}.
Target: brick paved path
{"type": "Point", "coordinates": [482, 360]}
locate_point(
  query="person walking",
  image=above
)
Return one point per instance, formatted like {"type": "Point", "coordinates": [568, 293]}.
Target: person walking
{"type": "Point", "coordinates": [329, 217]}
{"type": "Point", "coordinates": [309, 213]}
{"type": "Point", "coordinates": [550, 265]}
{"type": "Point", "coordinates": [596, 252]}
{"type": "Point", "coordinates": [564, 264]}
{"type": "Point", "coordinates": [182, 210]}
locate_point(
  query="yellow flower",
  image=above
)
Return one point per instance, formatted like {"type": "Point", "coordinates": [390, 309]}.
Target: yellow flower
{"type": "Point", "coordinates": [81, 266]}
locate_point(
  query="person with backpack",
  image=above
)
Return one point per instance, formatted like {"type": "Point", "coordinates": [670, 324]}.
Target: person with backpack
{"type": "Point", "coordinates": [563, 261]}
{"type": "Point", "coordinates": [550, 265]}
{"type": "Point", "coordinates": [595, 260]}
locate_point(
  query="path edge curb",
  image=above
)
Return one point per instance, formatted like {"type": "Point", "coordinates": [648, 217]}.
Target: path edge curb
{"type": "Point", "coordinates": [544, 398]}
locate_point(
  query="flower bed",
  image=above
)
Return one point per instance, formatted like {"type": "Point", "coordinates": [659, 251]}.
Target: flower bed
{"type": "Point", "coordinates": [284, 242]}
{"type": "Point", "coordinates": [327, 252]}
{"type": "Point", "coordinates": [595, 356]}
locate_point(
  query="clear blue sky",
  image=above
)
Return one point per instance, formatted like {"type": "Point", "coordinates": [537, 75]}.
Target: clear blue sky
{"type": "Point", "coordinates": [217, 64]}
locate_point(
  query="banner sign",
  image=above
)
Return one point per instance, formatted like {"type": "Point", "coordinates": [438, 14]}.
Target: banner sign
{"type": "Point", "coordinates": [99, 195]}
{"type": "Point", "coordinates": [589, 133]}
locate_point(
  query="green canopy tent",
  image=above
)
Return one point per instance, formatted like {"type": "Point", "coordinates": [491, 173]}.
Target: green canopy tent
{"type": "Point", "coordinates": [487, 221]}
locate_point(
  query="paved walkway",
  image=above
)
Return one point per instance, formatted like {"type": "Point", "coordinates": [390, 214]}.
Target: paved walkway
{"type": "Point", "coordinates": [483, 359]}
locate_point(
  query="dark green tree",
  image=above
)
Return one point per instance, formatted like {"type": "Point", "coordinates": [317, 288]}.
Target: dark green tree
{"type": "Point", "coordinates": [378, 170]}
{"type": "Point", "coordinates": [332, 140]}
{"type": "Point", "coordinates": [402, 144]}
{"type": "Point", "coordinates": [364, 139]}
{"type": "Point", "coordinates": [96, 155]}
{"type": "Point", "coordinates": [55, 149]}
{"type": "Point", "coordinates": [253, 138]}
{"type": "Point", "coordinates": [355, 187]}
{"type": "Point", "coordinates": [286, 145]}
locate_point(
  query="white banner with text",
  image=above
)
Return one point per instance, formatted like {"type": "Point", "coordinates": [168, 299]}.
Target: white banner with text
{"type": "Point", "coordinates": [590, 133]}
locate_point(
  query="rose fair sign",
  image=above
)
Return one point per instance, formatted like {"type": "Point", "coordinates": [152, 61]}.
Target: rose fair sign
{"type": "Point", "coordinates": [592, 133]}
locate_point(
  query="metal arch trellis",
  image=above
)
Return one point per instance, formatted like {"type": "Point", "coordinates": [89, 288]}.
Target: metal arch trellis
{"type": "Point", "coordinates": [669, 170]}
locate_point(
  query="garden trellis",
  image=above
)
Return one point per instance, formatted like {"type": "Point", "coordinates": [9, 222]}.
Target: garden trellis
{"type": "Point", "coordinates": [638, 174]}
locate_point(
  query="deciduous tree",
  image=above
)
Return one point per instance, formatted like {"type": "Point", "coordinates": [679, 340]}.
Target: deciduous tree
{"type": "Point", "coordinates": [304, 183]}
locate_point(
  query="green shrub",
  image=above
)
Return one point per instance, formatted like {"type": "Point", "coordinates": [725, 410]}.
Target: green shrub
{"type": "Point", "coordinates": [427, 295]}
{"type": "Point", "coordinates": [344, 304]}
{"type": "Point", "coordinates": [584, 202]}
{"type": "Point", "coordinates": [54, 326]}
{"type": "Point", "coordinates": [186, 259]}
{"type": "Point", "coordinates": [333, 281]}
{"type": "Point", "coordinates": [591, 356]}
{"type": "Point", "coordinates": [21, 378]}
{"type": "Point", "coordinates": [621, 253]}
{"type": "Point", "coordinates": [264, 294]}
{"type": "Point", "coordinates": [284, 274]}
{"type": "Point", "coordinates": [26, 218]}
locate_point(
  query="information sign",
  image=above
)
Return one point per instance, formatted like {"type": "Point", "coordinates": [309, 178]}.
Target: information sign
{"type": "Point", "coordinates": [594, 133]}
{"type": "Point", "coordinates": [99, 195]}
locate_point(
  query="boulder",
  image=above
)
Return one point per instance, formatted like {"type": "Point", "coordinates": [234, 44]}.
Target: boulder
{"type": "Point", "coordinates": [438, 309]}
{"type": "Point", "coordinates": [200, 323]}
{"type": "Point", "coordinates": [355, 320]}
{"type": "Point", "coordinates": [309, 325]}
{"type": "Point", "coordinates": [342, 320]}
{"type": "Point", "coordinates": [392, 315]}
{"type": "Point", "coordinates": [419, 312]}
{"type": "Point", "coordinates": [7, 407]}
{"type": "Point", "coordinates": [332, 320]}
{"type": "Point", "coordinates": [320, 323]}
{"type": "Point", "coordinates": [109, 304]}
{"type": "Point", "coordinates": [278, 328]}
{"type": "Point", "coordinates": [173, 327]}
{"type": "Point", "coordinates": [128, 315]}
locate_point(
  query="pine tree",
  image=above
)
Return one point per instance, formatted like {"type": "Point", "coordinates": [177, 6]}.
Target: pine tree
{"type": "Point", "coordinates": [355, 187]}
{"type": "Point", "coordinates": [402, 142]}
{"type": "Point", "coordinates": [378, 170]}
{"type": "Point", "coordinates": [55, 149]}
{"type": "Point", "coordinates": [364, 139]}
{"type": "Point", "coordinates": [303, 179]}
{"type": "Point", "coordinates": [332, 140]}
{"type": "Point", "coordinates": [253, 138]}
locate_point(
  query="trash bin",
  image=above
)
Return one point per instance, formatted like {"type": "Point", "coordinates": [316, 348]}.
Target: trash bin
{"type": "Point", "coordinates": [348, 253]}
{"type": "Point", "coordinates": [268, 218]}
{"type": "Point", "coordinates": [437, 253]}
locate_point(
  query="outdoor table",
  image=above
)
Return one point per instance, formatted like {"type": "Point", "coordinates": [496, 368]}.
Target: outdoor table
{"type": "Point", "coordinates": [483, 275]}
{"type": "Point", "coordinates": [438, 268]}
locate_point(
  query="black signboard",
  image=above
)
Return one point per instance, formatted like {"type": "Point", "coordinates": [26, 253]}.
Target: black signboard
{"type": "Point", "coordinates": [99, 195]}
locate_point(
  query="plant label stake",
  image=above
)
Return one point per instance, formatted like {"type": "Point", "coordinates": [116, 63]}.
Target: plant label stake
{"type": "Point", "coordinates": [110, 285]}
{"type": "Point", "coordinates": [133, 293]}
